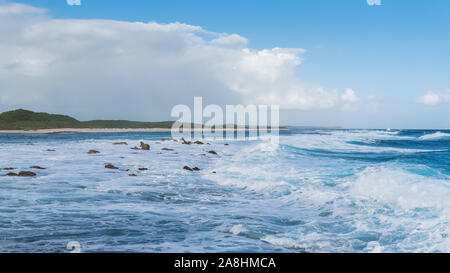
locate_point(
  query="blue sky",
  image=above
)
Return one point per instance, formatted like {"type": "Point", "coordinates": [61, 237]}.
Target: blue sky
{"type": "Point", "coordinates": [396, 52]}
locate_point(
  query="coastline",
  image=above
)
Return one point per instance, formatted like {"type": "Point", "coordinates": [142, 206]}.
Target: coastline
{"type": "Point", "coordinates": [104, 130]}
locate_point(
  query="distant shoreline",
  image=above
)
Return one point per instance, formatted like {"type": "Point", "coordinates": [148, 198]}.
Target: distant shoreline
{"type": "Point", "coordinates": [106, 130]}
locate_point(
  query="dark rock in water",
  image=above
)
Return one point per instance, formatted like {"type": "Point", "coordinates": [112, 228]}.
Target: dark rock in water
{"type": "Point", "coordinates": [143, 169]}
{"type": "Point", "coordinates": [145, 146]}
{"type": "Point", "coordinates": [8, 169]}
{"type": "Point", "coordinates": [132, 174]}
{"type": "Point", "coordinates": [187, 168]}
{"type": "Point", "coordinates": [167, 149]}
{"type": "Point", "coordinates": [212, 152]}
{"type": "Point", "coordinates": [27, 174]}
{"type": "Point", "coordinates": [51, 150]}
{"type": "Point", "coordinates": [12, 174]}
{"type": "Point", "coordinates": [199, 142]}
{"type": "Point", "coordinates": [120, 143]}
{"type": "Point", "coordinates": [126, 170]}
{"type": "Point", "coordinates": [37, 167]}
{"type": "Point", "coordinates": [110, 166]}
{"type": "Point", "coordinates": [185, 142]}
{"type": "Point", "coordinates": [196, 169]}
{"type": "Point", "coordinates": [135, 148]}
{"type": "Point", "coordinates": [226, 144]}
{"type": "Point", "coordinates": [214, 172]}
{"type": "Point", "coordinates": [93, 152]}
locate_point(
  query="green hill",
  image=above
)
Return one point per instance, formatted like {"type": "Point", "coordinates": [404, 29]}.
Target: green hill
{"type": "Point", "coordinates": [27, 120]}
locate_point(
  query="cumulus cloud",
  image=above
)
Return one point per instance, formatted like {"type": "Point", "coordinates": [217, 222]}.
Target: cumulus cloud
{"type": "Point", "coordinates": [431, 98]}
{"type": "Point", "coordinates": [115, 69]}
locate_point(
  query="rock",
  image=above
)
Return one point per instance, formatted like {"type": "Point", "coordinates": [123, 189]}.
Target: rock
{"type": "Point", "coordinates": [199, 142]}
{"type": "Point", "coordinates": [135, 148]}
{"type": "Point", "coordinates": [226, 144]}
{"type": "Point", "coordinates": [175, 140]}
{"type": "Point", "coordinates": [163, 139]}
{"type": "Point", "coordinates": [212, 152]}
{"type": "Point", "coordinates": [110, 166]}
{"type": "Point", "coordinates": [145, 146]}
{"type": "Point", "coordinates": [12, 174]}
{"type": "Point", "coordinates": [187, 168]}
{"type": "Point", "coordinates": [27, 174]}
{"type": "Point", "coordinates": [185, 142]}
{"type": "Point", "coordinates": [196, 169]}
{"type": "Point", "coordinates": [93, 152]}
{"type": "Point", "coordinates": [132, 174]}
{"type": "Point", "coordinates": [37, 167]}
{"type": "Point", "coordinates": [126, 170]}
{"type": "Point", "coordinates": [214, 172]}
{"type": "Point", "coordinates": [143, 169]}
{"type": "Point", "coordinates": [51, 150]}
{"type": "Point", "coordinates": [167, 149]}
{"type": "Point", "coordinates": [8, 169]}
{"type": "Point", "coordinates": [120, 143]}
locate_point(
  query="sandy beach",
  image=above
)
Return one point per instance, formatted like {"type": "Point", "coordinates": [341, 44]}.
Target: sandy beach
{"type": "Point", "coordinates": [85, 130]}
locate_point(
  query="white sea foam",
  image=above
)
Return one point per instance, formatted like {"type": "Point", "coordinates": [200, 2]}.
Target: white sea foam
{"type": "Point", "coordinates": [238, 229]}
{"type": "Point", "coordinates": [402, 189]}
{"type": "Point", "coordinates": [436, 135]}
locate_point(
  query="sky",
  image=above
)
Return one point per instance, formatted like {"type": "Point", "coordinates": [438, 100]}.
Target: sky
{"type": "Point", "coordinates": [353, 63]}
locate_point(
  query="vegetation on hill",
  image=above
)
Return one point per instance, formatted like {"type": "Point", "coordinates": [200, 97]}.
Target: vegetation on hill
{"type": "Point", "coordinates": [28, 120]}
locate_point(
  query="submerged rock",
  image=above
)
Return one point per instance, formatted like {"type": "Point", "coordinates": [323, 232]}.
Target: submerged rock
{"type": "Point", "coordinates": [167, 149]}
{"type": "Point", "coordinates": [27, 174]}
{"type": "Point", "coordinates": [51, 150]}
{"type": "Point", "coordinates": [199, 142]}
{"type": "Point", "coordinates": [196, 169]}
{"type": "Point", "coordinates": [212, 152]}
{"type": "Point", "coordinates": [135, 148]}
{"type": "Point", "coordinates": [145, 146]}
{"type": "Point", "coordinates": [143, 169]}
{"type": "Point", "coordinates": [110, 166]}
{"type": "Point", "coordinates": [132, 174]}
{"type": "Point", "coordinates": [37, 167]}
{"type": "Point", "coordinates": [93, 152]}
{"type": "Point", "coordinates": [8, 169]}
{"type": "Point", "coordinates": [12, 174]}
{"type": "Point", "coordinates": [120, 143]}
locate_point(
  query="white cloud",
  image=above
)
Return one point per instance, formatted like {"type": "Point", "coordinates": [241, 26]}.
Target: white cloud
{"type": "Point", "coordinates": [113, 69]}
{"type": "Point", "coordinates": [349, 96]}
{"type": "Point", "coordinates": [431, 98]}
{"type": "Point", "coordinates": [232, 40]}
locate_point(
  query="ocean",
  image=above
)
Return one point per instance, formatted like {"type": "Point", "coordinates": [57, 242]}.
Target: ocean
{"type": "Point", "coordinates": [315, 191]}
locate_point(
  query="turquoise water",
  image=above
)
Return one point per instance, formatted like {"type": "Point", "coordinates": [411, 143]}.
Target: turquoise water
{"type": "Point", "coordinates": [317, 191]}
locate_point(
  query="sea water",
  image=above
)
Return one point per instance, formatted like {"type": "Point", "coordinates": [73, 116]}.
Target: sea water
{"type": "Point", "coordinates": [315, 191]}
